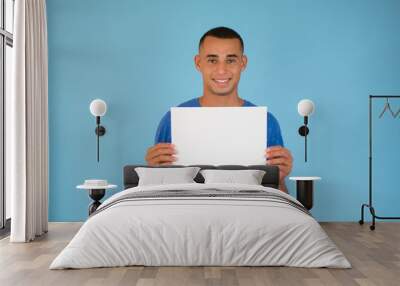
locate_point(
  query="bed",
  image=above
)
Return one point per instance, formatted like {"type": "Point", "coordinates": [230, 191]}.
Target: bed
{"type": "Point", "coordinates": [201, 224]}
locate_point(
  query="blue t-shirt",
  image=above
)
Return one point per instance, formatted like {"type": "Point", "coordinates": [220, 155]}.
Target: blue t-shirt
{"type": "Point", "coordinates": [163, 134]}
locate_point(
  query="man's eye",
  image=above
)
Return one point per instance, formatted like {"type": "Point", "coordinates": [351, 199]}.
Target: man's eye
{"type": "Point", "coordinates": [231, 61]}
{"type": "Point", "coordinates": [212, 61]}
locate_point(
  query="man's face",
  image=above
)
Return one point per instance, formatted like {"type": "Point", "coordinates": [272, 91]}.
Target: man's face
{"type": "Point", "coordinates": [220, 62]}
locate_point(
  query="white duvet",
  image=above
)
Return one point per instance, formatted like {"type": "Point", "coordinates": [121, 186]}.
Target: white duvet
{"type": "Point", "coordinates": [200, 231]}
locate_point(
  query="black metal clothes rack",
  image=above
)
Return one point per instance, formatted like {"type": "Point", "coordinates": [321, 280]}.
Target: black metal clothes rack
{"type": "Point", "coordinates": [370, 204]}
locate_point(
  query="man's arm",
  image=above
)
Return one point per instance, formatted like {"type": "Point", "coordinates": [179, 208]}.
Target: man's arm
{"type": "Point", "coordinates": [281, 157]}
{"type": "Point", "coordinates": [162, 153]}
{"type": "Point", "coordinates": [276, 154]}
{"type": "Point", "coordinates": [282, 187]}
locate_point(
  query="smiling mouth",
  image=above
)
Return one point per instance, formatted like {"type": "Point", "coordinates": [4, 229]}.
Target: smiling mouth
{"type": "Point", "coordinates": [221, 82]}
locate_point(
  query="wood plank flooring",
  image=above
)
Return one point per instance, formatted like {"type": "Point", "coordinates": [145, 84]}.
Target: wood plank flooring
{"type": "Point", "coordinates": [374, 255]}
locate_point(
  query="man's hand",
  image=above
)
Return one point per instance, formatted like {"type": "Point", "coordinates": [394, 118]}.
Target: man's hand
{"type": "Point", "coordinates": [161, 154]}
{"type": "Point", "coordinates": [282, 158]}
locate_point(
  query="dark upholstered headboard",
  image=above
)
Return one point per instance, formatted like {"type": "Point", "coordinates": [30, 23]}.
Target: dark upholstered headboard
{"type": "Point", "coordinates": [270, 179]}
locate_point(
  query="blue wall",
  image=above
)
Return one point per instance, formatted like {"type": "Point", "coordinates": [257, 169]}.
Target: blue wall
{"type": "Point", "coordinates": [138, 57]}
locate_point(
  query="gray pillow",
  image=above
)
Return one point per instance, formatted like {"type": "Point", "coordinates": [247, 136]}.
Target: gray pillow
{"type": "Point", "coordinates": [249, 177]}
{"type": "Point", "coordinates": [165, 176]}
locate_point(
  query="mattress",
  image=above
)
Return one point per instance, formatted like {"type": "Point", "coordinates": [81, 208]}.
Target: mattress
{"type": "Point", "coordinates": [201, 225]}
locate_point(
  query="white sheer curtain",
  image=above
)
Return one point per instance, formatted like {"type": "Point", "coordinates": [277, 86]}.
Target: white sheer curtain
{"type": "Point", "coordinates": [27, 123]}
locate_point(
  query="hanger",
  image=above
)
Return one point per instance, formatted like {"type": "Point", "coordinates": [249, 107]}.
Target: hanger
{"type": "Point", "coordinates": [387, 107]}
{"type": "Point", "coordinates": [397, 113]}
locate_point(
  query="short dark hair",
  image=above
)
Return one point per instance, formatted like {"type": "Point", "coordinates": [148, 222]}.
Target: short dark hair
{"type": "Point", "coordinates": [222, 33]}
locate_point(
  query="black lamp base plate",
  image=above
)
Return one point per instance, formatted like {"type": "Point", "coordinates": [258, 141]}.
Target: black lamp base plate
{"type": "Point", "coordinates": [303, 130]}
{"type": "Point", "coordinates": [100, 130]}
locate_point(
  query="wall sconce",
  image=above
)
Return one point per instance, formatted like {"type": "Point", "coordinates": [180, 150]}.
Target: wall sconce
{"type": "Point", "coordinates": [98, 108]}
{"type": "Point", "coordinates": [305, 109]}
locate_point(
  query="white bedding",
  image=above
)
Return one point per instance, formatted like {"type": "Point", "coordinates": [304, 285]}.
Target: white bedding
{"type": "Point", "coordinates": [184, 231]}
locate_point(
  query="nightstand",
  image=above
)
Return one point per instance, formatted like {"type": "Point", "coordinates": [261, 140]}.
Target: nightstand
{"type": "Point", "coordinates": [305, 189]}
{"type": "Point", "coordinates": [97, 190]}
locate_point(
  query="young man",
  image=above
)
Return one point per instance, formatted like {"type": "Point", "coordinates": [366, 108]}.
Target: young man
{"type": "Point", "coordinates": [221, 61]}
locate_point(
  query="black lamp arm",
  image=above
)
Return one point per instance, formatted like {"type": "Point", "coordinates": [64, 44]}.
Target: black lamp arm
{"type": "Point", "coordinates": [100, 131]}
{"type": "Point", "coordinates": [303, 131]}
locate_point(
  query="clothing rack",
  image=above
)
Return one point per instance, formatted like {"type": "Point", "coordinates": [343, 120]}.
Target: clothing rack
{"type": "Point", "coordinates": [370, 204]}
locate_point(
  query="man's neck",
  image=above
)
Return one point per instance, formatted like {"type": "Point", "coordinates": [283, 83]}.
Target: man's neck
{"type": "Point", "coordinates": [211, 100]}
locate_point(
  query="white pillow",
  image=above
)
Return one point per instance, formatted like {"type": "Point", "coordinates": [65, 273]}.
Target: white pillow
{"type": "Point", "coordinates": [249, 177]}
{"type": "Point", "coordinates": [164, 176]}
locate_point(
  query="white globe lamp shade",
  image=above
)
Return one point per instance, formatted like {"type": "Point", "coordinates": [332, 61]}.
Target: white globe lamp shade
{"type": "Point", "coordinates": [98, 107]}
{"type": "Point", "coordinates": [305, 107]}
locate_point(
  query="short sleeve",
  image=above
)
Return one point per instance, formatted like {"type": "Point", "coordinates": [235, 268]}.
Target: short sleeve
{"type": "Point", "coordinates": [163, 134]}
{"type": "Point", "coordinates": [274, 136]}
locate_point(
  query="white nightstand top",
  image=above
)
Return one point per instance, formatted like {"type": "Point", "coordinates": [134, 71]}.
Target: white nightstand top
{"type": "Point", "coordinates": [304, 178]}
{"type": "Point", "coordinates": [96, 187]}
{"type": "Point", "coordinates": [96, 184]}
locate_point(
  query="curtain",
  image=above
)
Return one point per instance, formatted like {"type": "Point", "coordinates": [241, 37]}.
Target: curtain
{"type": "Point", "coordinates": [27, 153]}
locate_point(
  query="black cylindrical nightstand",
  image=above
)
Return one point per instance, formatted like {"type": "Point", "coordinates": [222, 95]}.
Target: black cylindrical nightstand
{"type": "Point", "coordinates": [97, 190]}
{"type": "Point", "coordinates": [305, 190]}
{"type": "Point", "coordinates": [96, 195]}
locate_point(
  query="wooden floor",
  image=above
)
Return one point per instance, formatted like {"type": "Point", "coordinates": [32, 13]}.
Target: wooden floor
{"type": "Point", "coordinates": [374, 255]}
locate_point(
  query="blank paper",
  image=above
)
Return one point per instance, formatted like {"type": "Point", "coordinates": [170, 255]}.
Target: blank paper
{"type": "Point", "coordinates": [219, 135]}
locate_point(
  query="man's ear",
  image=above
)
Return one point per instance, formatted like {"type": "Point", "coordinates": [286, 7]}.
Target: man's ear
{"type": "Point", "coordinates": [244, 62]}
{"type": "Point", "coordinates": [197, 62]}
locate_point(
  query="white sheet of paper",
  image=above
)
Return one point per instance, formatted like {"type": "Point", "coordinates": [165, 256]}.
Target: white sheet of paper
{"type": "Point", "coordinates": [219, 135]}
